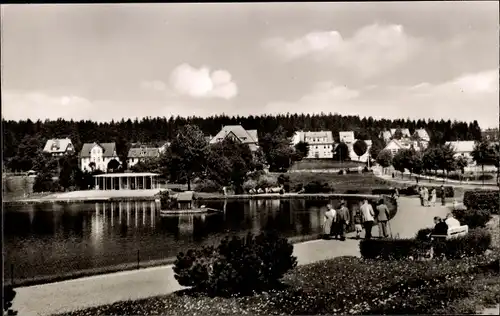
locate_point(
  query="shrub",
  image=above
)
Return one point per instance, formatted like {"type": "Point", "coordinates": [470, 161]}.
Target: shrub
{"type": "Point", "coordinates": [8, 296]}
{"type": "Point", "coordinates": [237, 265]}
{"type": "Point", "coordinates": [352, 191]}
{"type": "Point", "coordinates": [341, 172]}
{"type": "Point", "coordinates": [317, 187]}
{"type": "Point", "coordinates": [249, 185]}
{"type": "Point", "coordinates": [266, 181]}
{"type": "Point", "coordinates": [409, 191]}
{"type": "Point", "coordinates": [476, 242]}
{"type": "Point", "coordinates": [485, 177]}
{"type": "Point", "coordinates": [423, 234]}
{"type": "Point", "coordinates": [383, 191]}
{"type": "Point", "coordinates": [472, 218]}
{"type": "Point", "coordinates": [393, 249]}
{"type": "Point", "coordinates": [482, 200]}
{"type": "Point", "coordinates": [44, 183]}
{"type": "Point", "coordinates": [207, 185]}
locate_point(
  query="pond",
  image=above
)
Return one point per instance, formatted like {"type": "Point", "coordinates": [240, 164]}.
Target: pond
{"type": "Point", "coordinates": [54, 239]}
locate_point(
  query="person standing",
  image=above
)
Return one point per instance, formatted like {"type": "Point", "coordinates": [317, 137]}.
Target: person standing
{"type": "Point", "coordinates": [421, 195]}
{"type": "Point", "coordinates": [328, 221]}
{"type": "Point", "coordinates": [382, 218]}
{"type": "Point", "coordinates": [342, 220]}
{"type": "Point", "coordinates": [426, 197]}
{"type": "Point", "coordinates": [368, 218]}
{"type": "Point", "coordinates": [443, 196]}
{"type": "Point", "coordinates": [433, 197]}
{"type": "Point", "coordinates": [358, 220]}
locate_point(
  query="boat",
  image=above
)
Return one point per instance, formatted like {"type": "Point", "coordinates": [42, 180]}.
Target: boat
{"type": "Point", "coordinates": [185, 206]}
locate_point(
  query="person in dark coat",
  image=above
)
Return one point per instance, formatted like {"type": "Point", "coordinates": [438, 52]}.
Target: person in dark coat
{"type": "Point", "coordinates": [441, 228]}
{"type": "Point", "coordinates": [342, 220]}
{"type": "Point", "coordinates": [443, 196]}
{"type": "Point", "coordinates": [382, 218]}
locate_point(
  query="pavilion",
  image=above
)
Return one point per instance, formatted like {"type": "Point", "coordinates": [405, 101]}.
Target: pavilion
{"type": "Point", "coordinates": [127, 181]}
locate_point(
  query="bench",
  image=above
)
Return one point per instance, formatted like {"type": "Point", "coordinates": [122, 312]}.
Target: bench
{"type": "Point", "coordinates": [454, 232]}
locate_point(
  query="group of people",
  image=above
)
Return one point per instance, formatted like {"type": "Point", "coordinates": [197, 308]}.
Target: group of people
{"type": "Point", "coordinates": [429, 198]}
{"type": "Point", "coordinates": [336, 221]}
{"type": "Point", "coordinates": [441, 225]}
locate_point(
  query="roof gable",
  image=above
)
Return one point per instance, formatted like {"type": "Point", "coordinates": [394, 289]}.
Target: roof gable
{"type": "Point", "coordinates": [238, 131]}
{"type": "Point", "coordinates": [61, 145]}
{"type": "Point", "coordinates": [143, 152]}
{"type": "Point", "coordinates": [108, 149]}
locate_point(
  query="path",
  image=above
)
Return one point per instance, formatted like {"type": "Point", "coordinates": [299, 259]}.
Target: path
{"type": "Point", "coordinates": [52, 298]}
{"type": "Point", "coordinates": [436, 184]}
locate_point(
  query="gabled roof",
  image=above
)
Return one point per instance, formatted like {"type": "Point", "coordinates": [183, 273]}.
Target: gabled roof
{"type": "Point", "coordinates": [462, 146]}
{"type": "Point", "coordinates": [239, 132]}
{"type": "Point", "coordinates": [404, 131]}
{"type": "Point", "coordinates": [108, 149]}
{"type": "Point", "coordinates": [422, 133]}
{"type": "Point", "coordinates": [58, 145]}
{"type": "Point", "coordinates": [385, 134]}
{"type": "Point", "coordinates": [143, 152]}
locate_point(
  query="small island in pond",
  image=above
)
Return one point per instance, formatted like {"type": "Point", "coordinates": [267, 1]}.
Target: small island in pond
{"type": "Point", "coordinates": [181, 203]}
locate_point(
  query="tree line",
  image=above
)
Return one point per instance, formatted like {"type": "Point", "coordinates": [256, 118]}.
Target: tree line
{"type": "Point", "coordinates": [17, 134]}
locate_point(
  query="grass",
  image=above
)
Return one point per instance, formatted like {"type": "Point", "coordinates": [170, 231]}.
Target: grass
{"type": "Point", "coordinates": [364, 183]}
{"type": "Point", "coordinates": [345, 285]}
{"type": "Point", "coordinates": [310, 164]}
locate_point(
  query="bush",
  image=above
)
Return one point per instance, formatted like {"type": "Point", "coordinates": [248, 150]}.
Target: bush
{"type": "Point", "coordinates": [412, 190]}
{"type": "Point", "coordinates": [317, 187]}
{"type": "Point", "coordinates": [393, 249]}
{"type": "Point", "coordinates": [44, 183]}
{"type": "Point", "coordinates": [409, 191]}
{"type": "Point", "coordinates": [476, 242]}
{"type": "Point", "coordinates": [8, 296]}
{"type": "Point", "coordinates": [485, 177]}
{"type": "Point", "coordinates": [482, 200]}
{"type": "Point", "coordinates": [472, 218]}
{"type": "Point", "coordinates": [298, 187]}
{"type": "Point", "coordinates": [207, 185]}
{"type": "Point", "coordinates": [383, 191]}
{"type": "Point", "coordinates": [423, 234]}
{"type": "Point", "coordinates": [352, 191]}
{"type": "Point", "coordinates": [266, 181]}
{"type": "Point", "coordinates": [237, 265]}
{"type": "Point", "coordinates": [249, 185]}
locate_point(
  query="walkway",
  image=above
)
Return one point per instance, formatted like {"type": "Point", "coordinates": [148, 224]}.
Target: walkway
{"type": "Point", "coordinates": [464, 185]}
{"type": "Point", "coordinates": [86, 292]}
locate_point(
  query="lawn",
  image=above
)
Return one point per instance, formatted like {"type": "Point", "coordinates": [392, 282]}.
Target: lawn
{"type": "Point", "coordinates": [345, 285]}
{"type": "Point", "coordinates": [310, 164]}
{"type": "Point", "coordinates": [363, 183]}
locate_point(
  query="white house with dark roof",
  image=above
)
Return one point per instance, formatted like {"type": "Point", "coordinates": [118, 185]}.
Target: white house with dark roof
{"type": "Point", "coordinates": [141, 153]}
{"type": "Point", "coordinates": [320, 143]}
{"type": "Point", "coordinates": [98, 153]}
{"type": "Point", "coordinates": [463, 148]}
{"type": "Point", "coordinates": [59, 147]}
{"type": "Point", "coordinates": [396, 145]}
{"type": "Point", "coordinates": [238, 133]}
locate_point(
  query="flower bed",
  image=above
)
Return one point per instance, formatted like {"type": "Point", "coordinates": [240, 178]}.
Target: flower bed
{"type": "Point", "coordinates": [344, 285]}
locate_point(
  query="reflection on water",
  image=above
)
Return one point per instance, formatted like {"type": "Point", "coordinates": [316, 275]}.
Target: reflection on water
{"type": "Point", "coordinates": [46, 239]}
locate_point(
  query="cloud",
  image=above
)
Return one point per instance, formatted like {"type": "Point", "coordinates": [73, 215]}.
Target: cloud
{"type": "Point", "coordinates": [469, 97]}
{"type": "Point", "coordinates": [155, 85]}
{"type": "Point", "coordinates": [201, 83]}
{"type": "Point", "coordinates": [371, 50]}
{"type": "Point", "coordinates": [38, 105]}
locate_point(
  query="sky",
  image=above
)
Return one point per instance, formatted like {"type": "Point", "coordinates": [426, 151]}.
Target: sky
{"type": "Point", "coordinates": [100, 62]}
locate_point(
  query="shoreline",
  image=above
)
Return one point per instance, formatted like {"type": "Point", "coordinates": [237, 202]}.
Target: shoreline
{"type": "Point", "coordinates": [198, 196]}
{"type": "Point", "coordinates": [131, 266]}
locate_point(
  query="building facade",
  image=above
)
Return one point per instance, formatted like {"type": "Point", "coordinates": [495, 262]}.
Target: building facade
{"type": "Point", "coordinates": [135, 155]}
{"type": "Point", "coordinates": [463, 148]}
{"type": "Point", "coordinates": [59, 147]}
{"type": "Point", "coordinates": [395, 145]}
{"type": "Point", "coordinates": [320, 143]}
{"type": "Point", "coordinates": [97, 156]}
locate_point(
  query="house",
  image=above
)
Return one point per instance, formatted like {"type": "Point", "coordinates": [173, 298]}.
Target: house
{"type": "Point", "coordinates": [422, 134]}
{"type": "Point", "coordinates": [385, 135]}
{"type": "Point", "coordinates": [238, 133]}
{"type": "Point", "coordinates": [100, 154]}
{"type": "Point", "coordinates": [139, 154]}
{"type": "Point", "coordinates": [396, 145]}
{"type": "Point", "coordinates": [320, 143]}
{"type": "Point", "coordinates": [463, 148]}
{"type": "Point", "coordinates": [347, 137]}
{"type": "Point", "coordinates": [404, 131]}
{"type": "Point", "coordinates": [59, 147]}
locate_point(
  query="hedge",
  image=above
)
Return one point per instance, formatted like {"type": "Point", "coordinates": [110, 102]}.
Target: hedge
{"type": "Point", "coordinates": [412, 190]}
{"type": "Point", "coordinates": [471, 217]}
{"type": "Point", "coordinates": [383, 191]}
{"type": "Point", "coordinates": [482, 200]}
{"type": "Point", "coordinates": [474, 243]}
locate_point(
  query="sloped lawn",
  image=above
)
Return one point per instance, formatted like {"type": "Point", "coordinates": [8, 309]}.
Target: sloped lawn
{"type": "Point", "coordinates": [345, 285]}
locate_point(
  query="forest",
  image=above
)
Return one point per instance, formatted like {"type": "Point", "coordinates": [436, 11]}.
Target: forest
{"type": "Point", "coordinates": [152, 130]}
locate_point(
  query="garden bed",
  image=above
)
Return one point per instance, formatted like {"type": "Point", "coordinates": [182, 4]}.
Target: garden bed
{"type": "Point", "coordinates": [345, 285]}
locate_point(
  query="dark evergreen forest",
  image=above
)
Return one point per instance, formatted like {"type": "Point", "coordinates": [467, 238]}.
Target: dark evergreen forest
{"type": "Point", "coordinates": [152, 130]}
